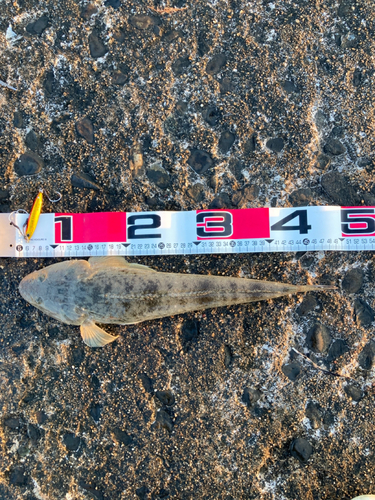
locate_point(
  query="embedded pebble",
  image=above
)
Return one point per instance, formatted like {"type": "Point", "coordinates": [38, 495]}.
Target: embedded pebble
{"type": "Point", "coordinates": [301, 449]}
{"type": "Point", "coordinates": [18, 477]}
{"type": "Point", "coordinates": [249, 145]}
{"type": "Point", "coordinates": [96, 46]}
{"type": "Point", "coordinates": [228, 356]}
{"type": "Point", "coordinates": [353, 392]}
{"type": "Point", "coordinates": [308, 304]}
{"type": "Point", "coordinates": [250, 396]}
{"type": "Point", "coordinates": [200, 161]}
{"type": "Point", "coordinates": [318, 338]}
{"type": "Point", "coordinates": [221, 201]}
{"type": "Point", "coordinates": [301, 197]}
{"type": "Point", "coordinates": [196, 192]}
{"type": "Point", "coordinates": [37, 27]}
{"type": "Point", "coordinates": [322, 161]}
{"type": "Point", "coordinates": [71, 441]}
{"type": "Point", "coordinates": [276, 144]}
{"type": "Point", "coordinates": [337, 349]}
{"type": "Point", "coordinates": [32, 141]}
{"type": "Point", "coordinates": [353, 280]}
{"type": "Point", "coordinates": [289, 87]}
{"type": "Point", "coordinates": [211, 115]}
{"type": "Point", "coordinates": [163, 421]}
{"type": "Point", "coordinates": [189, 333]}
{"type": "Point", "coordinates": [85, 129]}
{"type": "Point", "coordinates": [180, 65]}
{"type": "Point", "coordinates": [121, 436]}
{"type": "Point", "coordinates": [314, 414]}
{"type": "Point", "coordinates": [166, 397]}
{"type": "Point", "coordinates": [119, 78]}
{"type": "Point", "coordinates": [334, 147]}
{"type": "Point", "coordinates": [158, 175]}
{"type": "Point", "coordinates": [95, 411]}
{"type": "Point", "coordinates": [338, 187]}
{"type": "Point", "coordinates": [28, 163]}
{"type": "Point", "coordinates": [248, 194]}
{"type": "Point", "coordinates": [146, 383]}
{"type": "Point", "coordinates": [226, 141]}
{"type": "Point", "coordinates": [291, 370]}
{"type": "Point", "coordinates": [82, 180]}
{"type": "Point", "coordinates": [12, 423]}
{"type": "Point", "coordinates": [33, 432]}
{"type": "Point", "coordinates": [363, 313]}
{"type": "Point", "coordinates": [366, 358]}
{"type": "Point", "coordinates": [215, 64]}
{"type": "Point", "coordinates": [94, 492]}
{"type": "Point", "coordinates": [18, 120]}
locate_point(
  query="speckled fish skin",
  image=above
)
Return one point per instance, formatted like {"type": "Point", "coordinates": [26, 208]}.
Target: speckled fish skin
{"type": "Point", "coordinates": [110, 290]}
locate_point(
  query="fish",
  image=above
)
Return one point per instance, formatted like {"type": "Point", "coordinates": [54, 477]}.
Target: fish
{"type": "Point", "coordinates": [110, 290]}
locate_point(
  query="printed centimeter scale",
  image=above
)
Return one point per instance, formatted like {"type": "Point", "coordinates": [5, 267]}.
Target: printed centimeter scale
{"type": "Point", "coordinates": [200, 232]}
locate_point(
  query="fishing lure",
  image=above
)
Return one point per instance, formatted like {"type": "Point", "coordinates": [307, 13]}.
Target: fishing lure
{"type": "Point", "coordinates": [31, 223]}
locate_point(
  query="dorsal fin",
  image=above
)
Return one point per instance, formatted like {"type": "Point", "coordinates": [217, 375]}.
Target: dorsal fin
{"type": "Point", "coordinates": [116, 261]}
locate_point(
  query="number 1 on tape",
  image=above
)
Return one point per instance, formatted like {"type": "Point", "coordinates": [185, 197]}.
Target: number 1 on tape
{"type": "Point", "coordinates": [200, 232]}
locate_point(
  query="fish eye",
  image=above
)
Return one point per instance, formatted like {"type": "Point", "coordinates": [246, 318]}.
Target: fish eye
{"type": "Point", "coordinates": [41, 278]}
{"type": "Point", "coordinates": [39, 301]}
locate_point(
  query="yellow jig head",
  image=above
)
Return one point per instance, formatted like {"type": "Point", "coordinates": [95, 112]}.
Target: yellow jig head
{"type": "Point", "coordinates": [32, 221]}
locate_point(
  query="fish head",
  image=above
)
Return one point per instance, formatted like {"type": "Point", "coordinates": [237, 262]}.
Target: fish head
{"type": "Point", "coordinates": [51, 289]}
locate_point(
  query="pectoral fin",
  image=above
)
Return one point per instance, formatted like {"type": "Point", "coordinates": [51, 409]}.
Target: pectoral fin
{"type": "Point", "coordinates": [94, 336]}
{"type": "Point", "coordinates": [105, 262]}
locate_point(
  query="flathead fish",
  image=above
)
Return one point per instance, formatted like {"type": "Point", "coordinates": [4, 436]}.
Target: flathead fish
{"type": "Point", "coordinates": [109, 290]}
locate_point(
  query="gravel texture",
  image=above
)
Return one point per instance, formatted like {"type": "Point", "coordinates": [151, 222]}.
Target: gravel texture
{"type": "Point", "coordinates": [173, 105]}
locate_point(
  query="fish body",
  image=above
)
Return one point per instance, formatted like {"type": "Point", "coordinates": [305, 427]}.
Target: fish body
{"type": "Point", "coordinates": [109, 290]}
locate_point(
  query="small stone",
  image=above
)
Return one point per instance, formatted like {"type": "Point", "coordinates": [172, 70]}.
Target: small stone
{"type": "Point", "coordinates": [180, 65]}
{"type": "Point", "coordinates": [364, 315]}
{"type": "Point", "coordinates": [226, 141]}
{"type": "Point", "coordinates": [211, 115]}
{"type": "Point", "coordinates": [142, 21]}
{"type": "Point", "coordinates": [334, 147]}
{"type": "Point", "coordinates": [158, 175]}
{"type": "Point", "coordinates": [88, 11]}
{"type": "Point", "coordinates": [119, 78]}
{"type": "Point", "coordinates": [322, 161]}
{"type": "Point", "coordinates": [249, 145]}
{"type": "Point", "coordinates": [189, 333]}
{"type": "Point", "coordinates": [314, 414]}
{"type": "Point", "coordinates": [200, 161]}
{"type": "Point", "coordinates": [49, 83]}
{"type": "Point", "coordinates": [250, 396]}
{"type": "Point", "coordinates": [37, 27]}
{"type": "Point", "coordinates": [116, 4]}
{"type": "Point", "coordinates": [276, 144]}
{"type": "Point", "coordinates": [318, 338]}
{"type": "Point", "coordinates": [301, 197]}
{"type": "Point", "coordinates": [337, 349]}
{"type": "Point", "coordinates": [142, 493]}
{"type": "Point", "coordinates": [18, 120]}
{"type": "Point", "coordinates": [338, 187]}
{"type": "Point", "coordinates": [94, 492]}
{"type": "Point", "coordinates": [17, 477]}
{"type": "Point", "coordinates": [291, 370]}
{"type": "Point", "coordinates": [289, 87]}
{"type": "Point", "coordinates": [353, 392]}
{"type": "Point", "coordinates": [196, 192]}
{"type": "Point", "coordinates": [221, 201]}
{"type": "Point", "coordinates": [357, 77]}
{"type": "Point", "coordinates": [71, 441]}
{"type": "Point", "coordinates": [163, 421]}
{"type": "Point", "coordinates": [248, 194]}
{"type": "Point", "coordinates": [301, 449]}
{"type": "Point", "coordinates": [320, 120]}
{"type": "Point", "coordinates": [166, 397]}
{"type": "Point", "coordinates": [216, 64]}
{"type": "Point", "coordinates": [308, 304]}
{"type": "Point", "coordinates": [228, 356]}
{"type": "Point", "coordinates": [226, 86]}
{"type": "Point", "coordinates": [121, 436]}
{"type": "Point", "coordinates": [85, 129]}
{"type": "Point", "coordinates": [95, 412]}
{"type": "Point", "coordinates": [32, 141]}
{"type": "Point", "coordinates": [366, 358]}
{"type": "Point", "coordinates": [28, 164]}
{"type": "Point", "coordinates": [146, 383]}
{"type": "Point", "coordinates": [82, 180]}
{"type": "Point", "coordinates": [136, 160]}
{"type": "Point", "coordinates": [41, 417]}
{"type": "Point", "coordinates": [12, 423]}
{"type": "Point", "coordinates": [96, 46]}
{"type": "Point", "coordinates": [353, 280]}
{"type": "Point", "coordinates": [33, 432]}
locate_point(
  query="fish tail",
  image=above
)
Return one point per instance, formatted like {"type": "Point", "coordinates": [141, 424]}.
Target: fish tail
{"type": "Point", "coordinates": [316, 288]}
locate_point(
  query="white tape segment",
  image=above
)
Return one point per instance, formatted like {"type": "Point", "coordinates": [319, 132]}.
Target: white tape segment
{"type": "Point", "coordinates": [196, 232]}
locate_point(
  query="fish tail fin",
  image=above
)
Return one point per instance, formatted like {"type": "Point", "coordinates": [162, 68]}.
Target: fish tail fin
{"type": "Point", "coordinates": [316, 288]}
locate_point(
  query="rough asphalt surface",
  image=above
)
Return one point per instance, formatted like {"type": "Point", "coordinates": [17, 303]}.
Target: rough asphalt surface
{"type": "Point", "coordinates": [134, 106]}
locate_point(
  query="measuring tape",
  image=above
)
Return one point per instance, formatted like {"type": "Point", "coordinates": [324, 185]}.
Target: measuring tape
{"type": "Point", "coordinates": [195, 232]}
